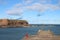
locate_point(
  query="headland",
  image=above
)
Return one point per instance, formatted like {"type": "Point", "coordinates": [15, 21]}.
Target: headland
{"type": "Point", "coordinates": [7, 23]}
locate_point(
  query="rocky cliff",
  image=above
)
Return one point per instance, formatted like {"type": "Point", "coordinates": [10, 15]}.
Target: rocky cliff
{"type": "Point", "coordinates": [13, 23]}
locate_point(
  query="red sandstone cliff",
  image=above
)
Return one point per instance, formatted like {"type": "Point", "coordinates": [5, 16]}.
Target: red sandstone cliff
{"type": "Point", "coordinates": [13, 23]}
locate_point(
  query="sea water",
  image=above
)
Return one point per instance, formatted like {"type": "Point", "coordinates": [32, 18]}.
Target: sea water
{"type": "Point", "coordinates": [19, 33]}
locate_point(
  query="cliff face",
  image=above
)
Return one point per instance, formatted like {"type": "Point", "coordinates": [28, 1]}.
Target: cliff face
{"type": "Point", "coordinates": [3, 23]}
{"type": "Point", "coordinates": [13, 23]}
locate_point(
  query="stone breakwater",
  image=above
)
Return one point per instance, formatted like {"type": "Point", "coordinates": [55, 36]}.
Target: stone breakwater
{"type": "Point", "coordinates": [42, 35]}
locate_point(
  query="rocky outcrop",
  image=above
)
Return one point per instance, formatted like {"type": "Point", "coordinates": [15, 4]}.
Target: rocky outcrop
{"type": "Point", "coordinates": [13, 23]}
{"type": "Point", "coordinates": [3, 23]}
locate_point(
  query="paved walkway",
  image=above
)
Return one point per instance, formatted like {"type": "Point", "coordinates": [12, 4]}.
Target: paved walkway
{"type": "Point", "coordinates": [42, 35]}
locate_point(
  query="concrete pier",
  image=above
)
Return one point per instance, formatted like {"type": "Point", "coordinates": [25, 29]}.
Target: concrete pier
{"type": "Point", "coordinates": [43, 35]}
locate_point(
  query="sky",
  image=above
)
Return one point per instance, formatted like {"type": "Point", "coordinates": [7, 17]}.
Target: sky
{"type": "Point", "coordinates": [34, 11]}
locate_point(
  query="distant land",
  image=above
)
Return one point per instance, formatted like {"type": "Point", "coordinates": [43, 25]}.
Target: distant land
{"type": "Point", "coordinates": [4, 23]}
{"type": "Point", "coordinates": [12, 23]}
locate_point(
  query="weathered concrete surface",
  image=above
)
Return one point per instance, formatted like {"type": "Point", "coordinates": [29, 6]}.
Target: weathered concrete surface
{"type": "Point", "coordinates": [42, 35]}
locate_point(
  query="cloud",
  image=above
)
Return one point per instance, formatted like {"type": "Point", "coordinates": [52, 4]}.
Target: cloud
{"type": "Point", "coordinates": [18, 5]}
{"type": "Point", "coordinates": [16, 11]}
{"type": "Point", "coordinates": [42, 1]}
{"type": "Point", "coordinates": [36, 6]}
{"type": "Point", "coordinates": [42, 7]}
{"type": "Point", "coordinates": [19, 8]}
{"type": "Point", "coordinates": [36, 1]}
{"type": "Point", "coordinates": [26, 2]}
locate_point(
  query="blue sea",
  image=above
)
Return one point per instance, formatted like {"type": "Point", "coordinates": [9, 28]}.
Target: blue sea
{"type": "Point", "coordinates": [19, 33]}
